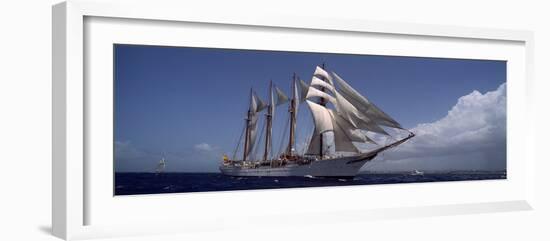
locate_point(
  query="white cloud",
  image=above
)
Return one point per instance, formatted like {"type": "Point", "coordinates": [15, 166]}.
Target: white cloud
{"type": "Point", "coordinates": [204, 147]}
{"type": "Point", "coordinates": [471, 136]}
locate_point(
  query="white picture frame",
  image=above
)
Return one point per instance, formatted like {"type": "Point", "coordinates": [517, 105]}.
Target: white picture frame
{"type": "Point", "coordinates": [76, 197]}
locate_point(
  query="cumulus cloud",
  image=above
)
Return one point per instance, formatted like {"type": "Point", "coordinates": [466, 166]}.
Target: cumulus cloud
{"type": "Point", "coordinates": [204, 147]}
{"type": "Point", "coordinates": [471, 136]}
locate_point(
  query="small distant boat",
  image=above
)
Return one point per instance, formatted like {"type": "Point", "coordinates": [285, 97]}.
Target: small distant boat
{"type": "Point", "coordinates": [417, 173]}
{"type": "Point", "coordinates": [161, 166]}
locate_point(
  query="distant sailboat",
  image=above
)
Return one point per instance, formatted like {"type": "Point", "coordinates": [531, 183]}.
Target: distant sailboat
{"type": "Point", "coordinates": [417, 173]}
{"type": "Point", "coordinates": [161, 166]}
{"type": "Point", "coordinates": [352, 116]}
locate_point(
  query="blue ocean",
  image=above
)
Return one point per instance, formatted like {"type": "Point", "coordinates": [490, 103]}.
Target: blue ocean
{"type": "Point", "coordinates": [152, 183]}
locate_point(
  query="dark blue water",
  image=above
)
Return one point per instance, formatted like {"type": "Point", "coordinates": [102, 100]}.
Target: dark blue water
{"type": "Point", "coordinates": [151, 183]}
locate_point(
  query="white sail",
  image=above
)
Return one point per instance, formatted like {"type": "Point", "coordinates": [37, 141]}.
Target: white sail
{"type": "Point", "coordinates": [323, 124]}
{"type": "Point", "coordinates": [257, 104]}
{"type": "Point", "coordinates": [281, 97]}
{"type": "Point", "coordinates": [252, 128]}
{"type": "Point", "coordinates": [314, 144]}
{"type": "Point", "coordinates": [295, 96]}
{"type": "Point", "coordinates": [345, 132]}
{"type": "Point", "coordinates": [347, 121]}
{"type": "Point", "coordinates": [314, 92]}
{"type": "Point", "coordinates": [343, 106]}
{"type": "Point", "coordinates": [346, 128]}
{"type": "Point", "coordinates": [318, 82]}
{"type": "Point", "coordinates": [364, 105]}
{"type": "Point", "coordinates": [355, 117]}
{"type": "Point", "coordinates": [347, 110]}
{"type": "Point", "coordinates": [321, 117]}
{"type": "Point", "coordinates": [343, 135]}
{"type": "Point", "coordinates": [161, 166]}
{"type": "Point", "coordinates": [369, 126]}
{"type": "Point", "coordinates": [322, 74]}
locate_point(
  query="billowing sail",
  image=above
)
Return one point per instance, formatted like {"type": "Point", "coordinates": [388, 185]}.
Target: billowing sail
{"type": "Point", "coordinates": [281, 97]}
{"type": "Point", "coordinates": [256, 106]}
{"type": "Point", "coordinates": [369, 126]}
{"type": "Point", "coordinates": [321, 117]}
{"type": "Point", "coordinates": [343, 135]}
{"type": "Point", "coordinates": [343, 107]}
{"type": "Point", "coordinates": [355, 117]}
{"type": "Point", "coordinates": [318, 82]}
{"type": "Point", "coordinates": [323, 124]}
{"type": "Point", "coordinates": [322, 74]}
{"type": "Point", "coordinates": [314, 144]}
{"type": "Point", "coordinates": [252, 124]}
{"type": "Point", "coordinates": [364, 105]}
{"type": "Point", "coordinates": [314, 92]}
{"type": "Point", "coordinates": [347, 130]}
{"type": "Point", "coordinates": [347, 121]}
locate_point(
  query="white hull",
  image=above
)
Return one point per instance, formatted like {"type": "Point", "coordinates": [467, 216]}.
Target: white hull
{"type": "Point", "coordinates": [337, 167]}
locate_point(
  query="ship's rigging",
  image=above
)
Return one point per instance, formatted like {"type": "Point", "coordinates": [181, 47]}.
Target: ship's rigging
{"type": "Point", "coordinates": [342, 118]}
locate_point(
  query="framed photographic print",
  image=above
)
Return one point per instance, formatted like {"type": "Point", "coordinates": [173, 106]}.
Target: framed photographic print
{"type": "Point", "coordinates": [178, 126]}
{"type": "Point", "coordinates": [195, 120]}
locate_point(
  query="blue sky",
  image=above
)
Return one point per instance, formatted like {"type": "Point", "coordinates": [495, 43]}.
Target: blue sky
{"type": "Point", "coordinates": [189, 103]}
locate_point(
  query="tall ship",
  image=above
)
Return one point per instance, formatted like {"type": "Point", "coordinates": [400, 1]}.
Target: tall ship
{"type": "Point", "coordinates": [342, 119]}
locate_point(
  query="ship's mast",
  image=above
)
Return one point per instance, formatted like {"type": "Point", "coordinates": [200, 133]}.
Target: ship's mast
{"type": "Point", "coordinates": [292, 111]}
{"type": "Point", "coordinates": [247, 131]}
{"type": "Point", "coordinates": [268, 117]}
{"type": "Point", "coordinates": [322, 102]}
